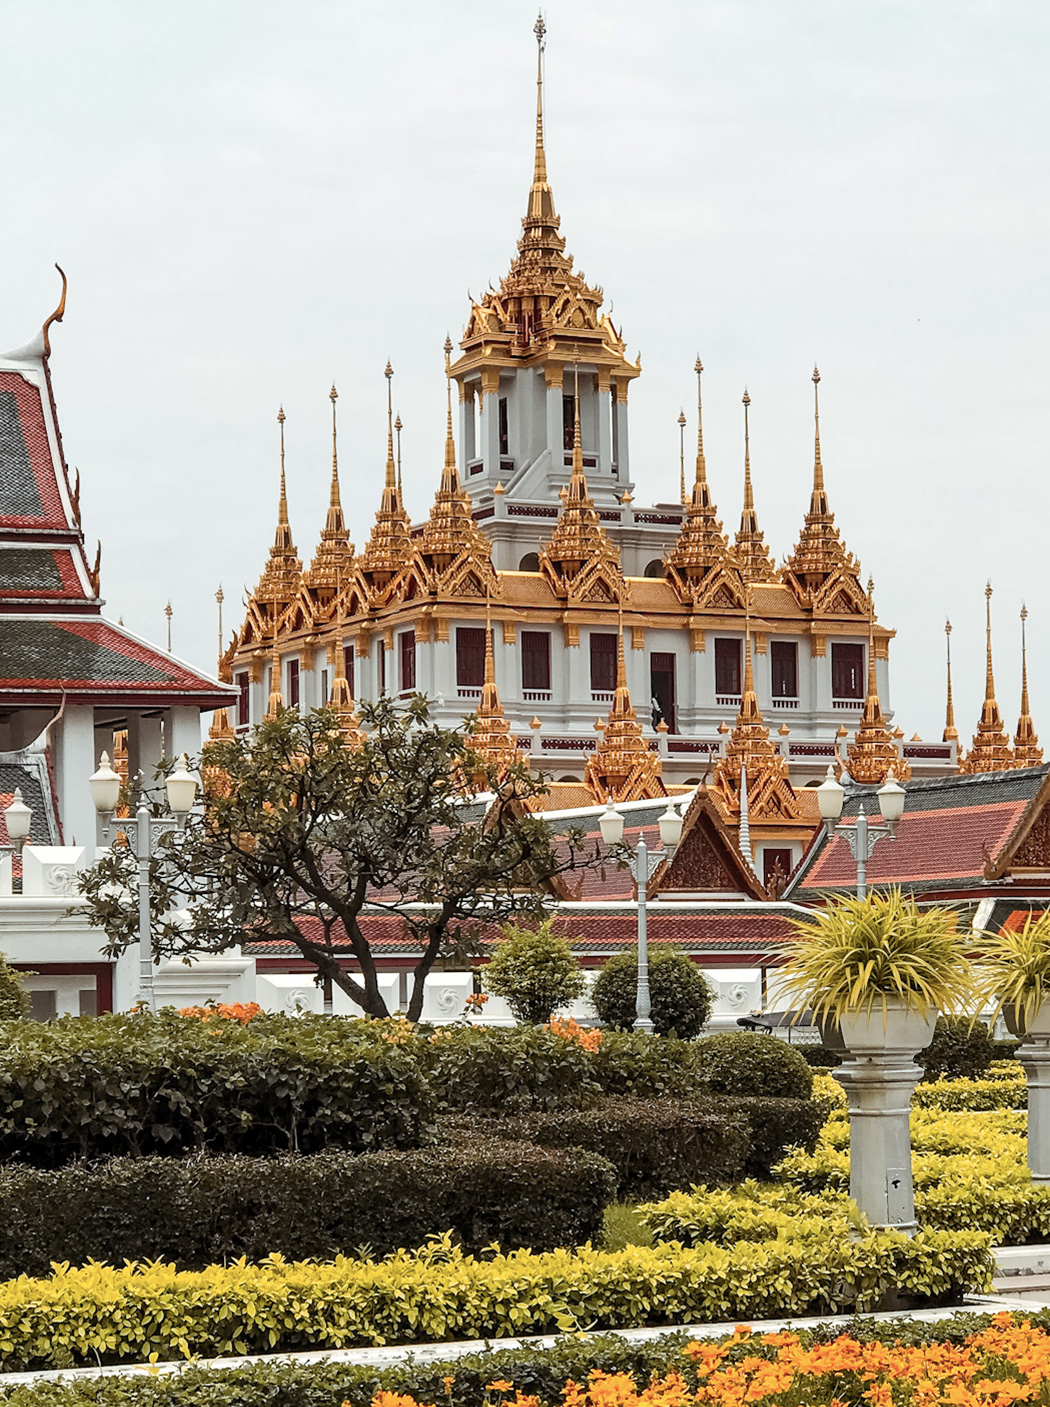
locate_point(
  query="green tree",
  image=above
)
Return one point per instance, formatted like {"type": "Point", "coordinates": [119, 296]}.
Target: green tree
{"type": "Point", "coordinates": [535, 972]}
{"type": "Point", "coordinates": [14, 999]}
{"type": "Point", "coordinates": [680, 995]}
{"type": "Point", "coordinates": [303, 837]}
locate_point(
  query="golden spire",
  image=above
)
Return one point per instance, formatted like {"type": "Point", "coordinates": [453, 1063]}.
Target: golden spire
{"type": "Point", "coordinates": [390, 548]}
{"type": "Point", "coordinates": [335, 551]}
{"type": "Point", "coordinates": [340, 696]}
{"type": "Point", "coordinates": [578, 537]}
{"type": "Point", "coordinates": [220, 719]}
{"type": "Point", "coordinates": [951, 733]}
{"type": "Point", "coordinates": [490, 735]}
{"type": "Point", "coordinates": [539, 173]}
{"type": "Point", "coordinates": [681, 452]}
{"type": "Point", "coordinates": [622, 766]}
{"type": "Point", "coordinates": [991, 743]}
{"type": "Point", "coordinates": [820, 554]}
{"type": "Point", "coordinates": [397, 431]}
{"type": "Point", "coordinates": [276, 701]}
{"type": "Point", "coordinates": [873, 753]}
{"type": "Point", "coordinates": [1027, 752]}
{"type": "Point", "coordinates": [753, 557]}
{"type": "Point", "coordinates": [282, 575]}
{"type": "Point", "coordinates": [450, 530]}
{"type": "Point", "coordinates": [701, 544]}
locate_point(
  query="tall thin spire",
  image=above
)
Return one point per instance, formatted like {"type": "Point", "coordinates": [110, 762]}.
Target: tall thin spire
{"type": "Point", "coordinates": [397, 431]}
{"type": "Point", "coordinates": [539, 175]}
{"type": "Point", "coordinates": [701, 547]}
{"type": "Point", "coordinates": [1027, 752]}
{"type": "Point", "coordinates": [450, 475]}
{"type": "Point", "coordinates": [622, 766]}
{"type": "Point", "coordinates": [701, 462]}
{"type": "Point", "coordinates": [873, 753]}
{"type": "Point", "coordinates": [751, 550]}
{"type": "Point", "coordinates": [333, 494]}
{"type": "Point", "coordinates": [490, 735]}
{"type": "Point", "coordinates": [951, 733]}
{"type": "Point", "coordinates": [341, 696]}
{"type": "Point", "coordinates": [282, 576]}
{"type": "Point", "coordinates": [991, 743]}
{"type": "Point", "coordinates": [334, 551]}
{"type": "Point", "coordinates": [391, 469]}
{"type": "Point", "coordinates": [390, 548]}
{"type": "Point", "coordinates": [451, 536]}
{"type": "Point", "coordinates": [818, 502]}
{"type": "Point", "coordinates": [282, 503]}
{"type": "Point", "coordinates": [681, 452]}
{"type": "Point", "coordinates": [276, 701]}
{"type": "Point", "coordinates": [220, 720]}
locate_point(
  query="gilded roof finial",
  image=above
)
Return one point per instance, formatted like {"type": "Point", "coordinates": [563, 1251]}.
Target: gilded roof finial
{"type": "Point", "coordinates": [751, 550]}
{"type": "Point", "coordinates": [872, 685]}
{"type": "Point", "coordinates": [335, 550]}
{"type": "Point", "coordinates": [56, 316]}
{"type": "Point", "coordinates": [540, 172]}
{"type": "Point", "coordinates": [219, 597]}
{"type": "Point", "coordinates": [282, 505]}
{"type": "Point", "coordinates": [391, 470]}
{"type": "Point", "coordinates": [681, 451]}
{"type": "Point", "coordinates": [282, 574]}
{"type": "Point", "coordinates": [1027, 752]}
{"type": "Point", "coordinates": [450, 476]}
{"type": "Point", "coordinates": [333, 495]}
{"type": "Point", "coordinates": [168, 613]}
{"type": "Point", "coordinates": [275, 703]}
{"type": "Point", "coordinates": [991, 742]}
{"type": "Point", "coordinates": [951, 733]}
{"type": "Point", "coordinates": [577, 443]}
{"type": "Point", "coordinates": [701, 462]}
{"type": "Point", "coordinates": [397, 432]}
{"type": "Point", "coordinates": [818, 502]}
{"type": "Point", "coordinates": [873, 754]}
{"type": "Point", "coordinates": [220, 720]}
{"type": "Point", "coordinates": [749, 497]}
{"type": "Point", "coordinates": [389, 550]}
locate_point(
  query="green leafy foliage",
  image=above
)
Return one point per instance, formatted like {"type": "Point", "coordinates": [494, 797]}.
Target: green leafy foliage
{"type": "Point", "coordinates": [535, 972]}
{"type": "Point", "coordinates": [860, 955]}
{"type": "Point", "coordinates": [301, 833]}
{"type": "Point", "coordinates": [490, 1072]}
{"type": "Point", "coordinates": [960, 1049]}
{"type": "Point", "coordinates": [91, 1087]}
{"type": "Point", "coordinates": [751, 1063]}
{"type": "Point", "coordinates": [636, 1065]}
{"type": "Point", "coordinates": [14, 999]}
{"type": "Point", "coordinates": [775, 1127]}
{"type": "Point", "coordinates": [679, 993]}
{"type": "Point", "coordinates": [1015, 969]}
{"type": "Point", "coordinates": [202, 1211]}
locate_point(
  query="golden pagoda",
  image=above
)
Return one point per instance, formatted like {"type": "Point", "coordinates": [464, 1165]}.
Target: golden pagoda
{"type": "Point", "coordinates": [455, 554]}
{"type": "Point", "coordinates": [282, 575]}
{"type": "Point", "coordinates": [1027, 752]}
{"type": "Point", "coordinates": [335, 551]}
{"type": "Point", "coordinates": [390, 550]}
{"type": "Point", "coordinates": [490, 736]}
{"type": "Point", "coordinates": [221, 729]}
{"type": "Point", "coordinates": [622, 767]}
{"type": "Point", "coordinates": [991, 743]}
{"type": "Point", "coordinates": [752, 554]}
{"type": "Point", "coordinates": [340, 698]}
{"type": "Point", "coordinates": [701, 566]}
{"type": "Point", "coordinates": [579, 560]}
{"type": "Point", "coordinates": [873, 754]}
{"type": "Point", "coordinates": [951, 733]}
{"type": "Point", "coordinates": [823, 575]}
{"type": "Point", "coordinates": [275, 703]}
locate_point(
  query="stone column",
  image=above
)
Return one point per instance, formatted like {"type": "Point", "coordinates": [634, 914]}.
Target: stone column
{"type": "Point", "coordinates": [879, 1091]}
{"type": "Point", "coordinates": [74, 760]}
{"type": "Point", "coordinates": [604, 422]}
{"type": "Point", "coordinates": [555, 434]}
{"type": "Point", "coordinates": [184, 727]}
{"type": "Point", "coordinates": [1034, 1055]}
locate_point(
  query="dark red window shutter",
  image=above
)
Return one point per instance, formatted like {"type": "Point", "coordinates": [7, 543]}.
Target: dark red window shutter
{"type": "Point", "coordinates": [470, 657]}
{"type": "Point", "coordinates": [603, 663]}
{"type": "Point", "coordinates": [535, 659]}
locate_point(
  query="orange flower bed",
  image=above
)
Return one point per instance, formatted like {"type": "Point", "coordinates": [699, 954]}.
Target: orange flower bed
{"type": "Point", "coordinates": [1005, 1363]}
{"type": "Point", "coordinates": [224, 1011]}
{"type": "Point", "coordinates": [590, 1038]}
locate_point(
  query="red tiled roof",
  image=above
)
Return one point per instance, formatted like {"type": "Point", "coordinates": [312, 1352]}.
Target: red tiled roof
{"type": "Point", "coordinates": [29, 493]}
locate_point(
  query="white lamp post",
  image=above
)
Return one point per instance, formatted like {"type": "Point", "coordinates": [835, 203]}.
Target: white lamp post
{"type": "Point", "coordinates": [19, 817]}
{"type": "Point", "coordinates": [643, 867]}
{"type": "Point", "coordinates": [180, 787]}
{"type": "Point", "coordinates": [863, 836]}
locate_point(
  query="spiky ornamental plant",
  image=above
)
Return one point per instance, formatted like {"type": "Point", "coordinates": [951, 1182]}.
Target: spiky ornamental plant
{"type": "Point", "coordinates": [1014, 969]}
{"type": "Point", "coordinates": [863, 955]}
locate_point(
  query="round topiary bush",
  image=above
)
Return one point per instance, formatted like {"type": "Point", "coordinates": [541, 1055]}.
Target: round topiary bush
{"type": "Point", "coordinates": [748, 1063]}
{"type": "Point", "coordinates": [680, 995]}
{"type": "Point", "coordinates": [960, 1049]}
{"type": "Point", "coordinates": [535, 972]}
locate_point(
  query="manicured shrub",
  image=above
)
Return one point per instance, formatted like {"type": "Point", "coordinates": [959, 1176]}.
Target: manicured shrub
{"type": "Point", "coordinates": [209, 1210]}
{"type": "Point", "coordinates": [747, 1063]}
{"type": "Point", "coordinates": [490, 1072]}
{"type": "Point", "coordinates": [775, 1127]}
{"type": "Point", "coordinates": [819, 1057]}
{"type": "Point", "coordinates": [14, 999]}
{"type": "Point", "coordinates": [680, 995]}
{"type": "Point", "coordinates": [635, 1065]}
{"type": "Point", "coordinates": [141, 1084]}
{"type": "Point", "coordinates": [654, 1145]}
{"type": "Point", "coordinates": [960, 1049]}
{"type": "Point", "coordinates": [97, 1313]}
{"type": "Point", "coordinates": [973, 1095]}
{"type": "Point", "coordinates": [535, 971]}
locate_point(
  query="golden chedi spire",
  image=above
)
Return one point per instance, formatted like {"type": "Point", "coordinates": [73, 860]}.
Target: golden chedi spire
{"type": "Point", "coordinates": [702, 548]}
{"type": "Point", "coordinates": [579, 547]}
{"type": "Point", "coordinates": [951, 733]}
{"type": "Point", "coordinates": [275, 703]}
{"type": "Point", "coordinates": [622, 767]}
{"type": "Point", "coordinates": [749, 751]}
{"type": "Point", "coordinates": [221, 728]}
{"type": "Point", "coordinates": [282, 576]}
{"type": "Point", "coordinates": [752, 554]}
{"type": "Point", "coordinates": [335, 551]}
{"type": "Point", "coordinates": [991, 743]}
{"type": "Point", "coordinates": [452, 542]}
{"type": "Point", "coordinates": [1027, 752]}
{"type": "Point", "coordinates": [681, 452]}
{"type": "Point", "coordinates": [490, 735]}
{"type": "Point", "coordinates": [873, 754]}
{"type": "Point", "coordinates": [390, 548]}
{"type": "Point", "coordinates": [340, 698]}
{"type": "Point", "coordinates": [820, 554]}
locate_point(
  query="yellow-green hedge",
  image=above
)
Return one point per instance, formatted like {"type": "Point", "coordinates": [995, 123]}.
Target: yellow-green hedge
{"type": "Point", "coordinates": [99, 1313]}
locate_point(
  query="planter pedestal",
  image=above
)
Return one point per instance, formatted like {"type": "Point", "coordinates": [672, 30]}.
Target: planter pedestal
{"type": "Point", "coordinates": [1034, 1055]}
{"type": "Point", "coordinates": [879, 1076]}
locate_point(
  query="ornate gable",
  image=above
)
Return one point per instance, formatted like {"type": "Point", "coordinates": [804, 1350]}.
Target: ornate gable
{"type": "Point", "coordinates": [706, 861]}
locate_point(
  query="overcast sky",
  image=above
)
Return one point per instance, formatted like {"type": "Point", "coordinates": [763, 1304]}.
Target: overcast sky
{"type": "Point", "coordinates": [252, 199]}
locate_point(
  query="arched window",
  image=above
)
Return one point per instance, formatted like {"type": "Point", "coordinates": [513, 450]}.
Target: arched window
{"type": "Point", "coordinates": [655, 567]}
{"type": "Point", "coordinates": [568, 779]}
{"type": "Point", "coordinates": [530, 562]}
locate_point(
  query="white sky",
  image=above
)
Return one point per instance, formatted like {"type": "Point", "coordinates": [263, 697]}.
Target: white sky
{"type": "Point", "coordinates": [251, 199]}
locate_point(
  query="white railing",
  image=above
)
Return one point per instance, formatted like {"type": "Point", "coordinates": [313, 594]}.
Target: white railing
{"type": "Point", "coordinates": [785, 703]}
{"type": "Point", "coordinates": [857, 704]}
{"type": "Point", "coordinates": [468, 693]}
{"type": "Point", "coordinates": [601, 697]}
{"type": "Point", "coordinates": [536, 695]}
{"type": "Point", "coordinates": [733, 700]}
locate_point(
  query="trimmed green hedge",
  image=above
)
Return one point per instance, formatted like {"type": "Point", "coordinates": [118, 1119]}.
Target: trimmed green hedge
{"type": "Point", "coordinates": [776, 1126]}
{"type": "Point", "coordinates": [204, 1211]}
{"type": "Point", "coordinates": [167, 1084]}
{"type": "Point", "coordinates": [97, 1313]}
{"type": "Point", "coordinates": [490, 1072]}
{"type": "Point", "coordinates": [749, 1063]}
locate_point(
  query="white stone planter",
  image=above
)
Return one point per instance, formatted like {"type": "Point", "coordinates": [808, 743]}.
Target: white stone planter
{"type": "Point", "coordinates": [895, 1031]}
{"type": "Point", "coordinates": [1038, 1028]}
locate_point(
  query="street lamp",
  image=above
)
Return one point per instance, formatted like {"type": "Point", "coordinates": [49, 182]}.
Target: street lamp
{"type": "Point", "coordinates": [180, 787]}
{"type": "Point", "coordinates": [864, 835]}
{"type": "Point", "coordinates": [19, 817]}
{"type": "Point", "coordinates": [643, 867]}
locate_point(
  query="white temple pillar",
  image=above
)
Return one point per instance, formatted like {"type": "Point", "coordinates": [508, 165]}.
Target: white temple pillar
{"type": "Point", "coordinates": [74, 762]}
{"type": "Point", "coordinates": [1034, 1055]}
{"type": "Point", "coordinates": [490, 429]}
{"type": "Point", "coordinates": [184, 728]}
{"type": "Point", "coordinates": [555, 432]}
{"type": "Point", "coordinates": [604, 429]}
{"type": "Point", "coordinates": [623, 468]}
